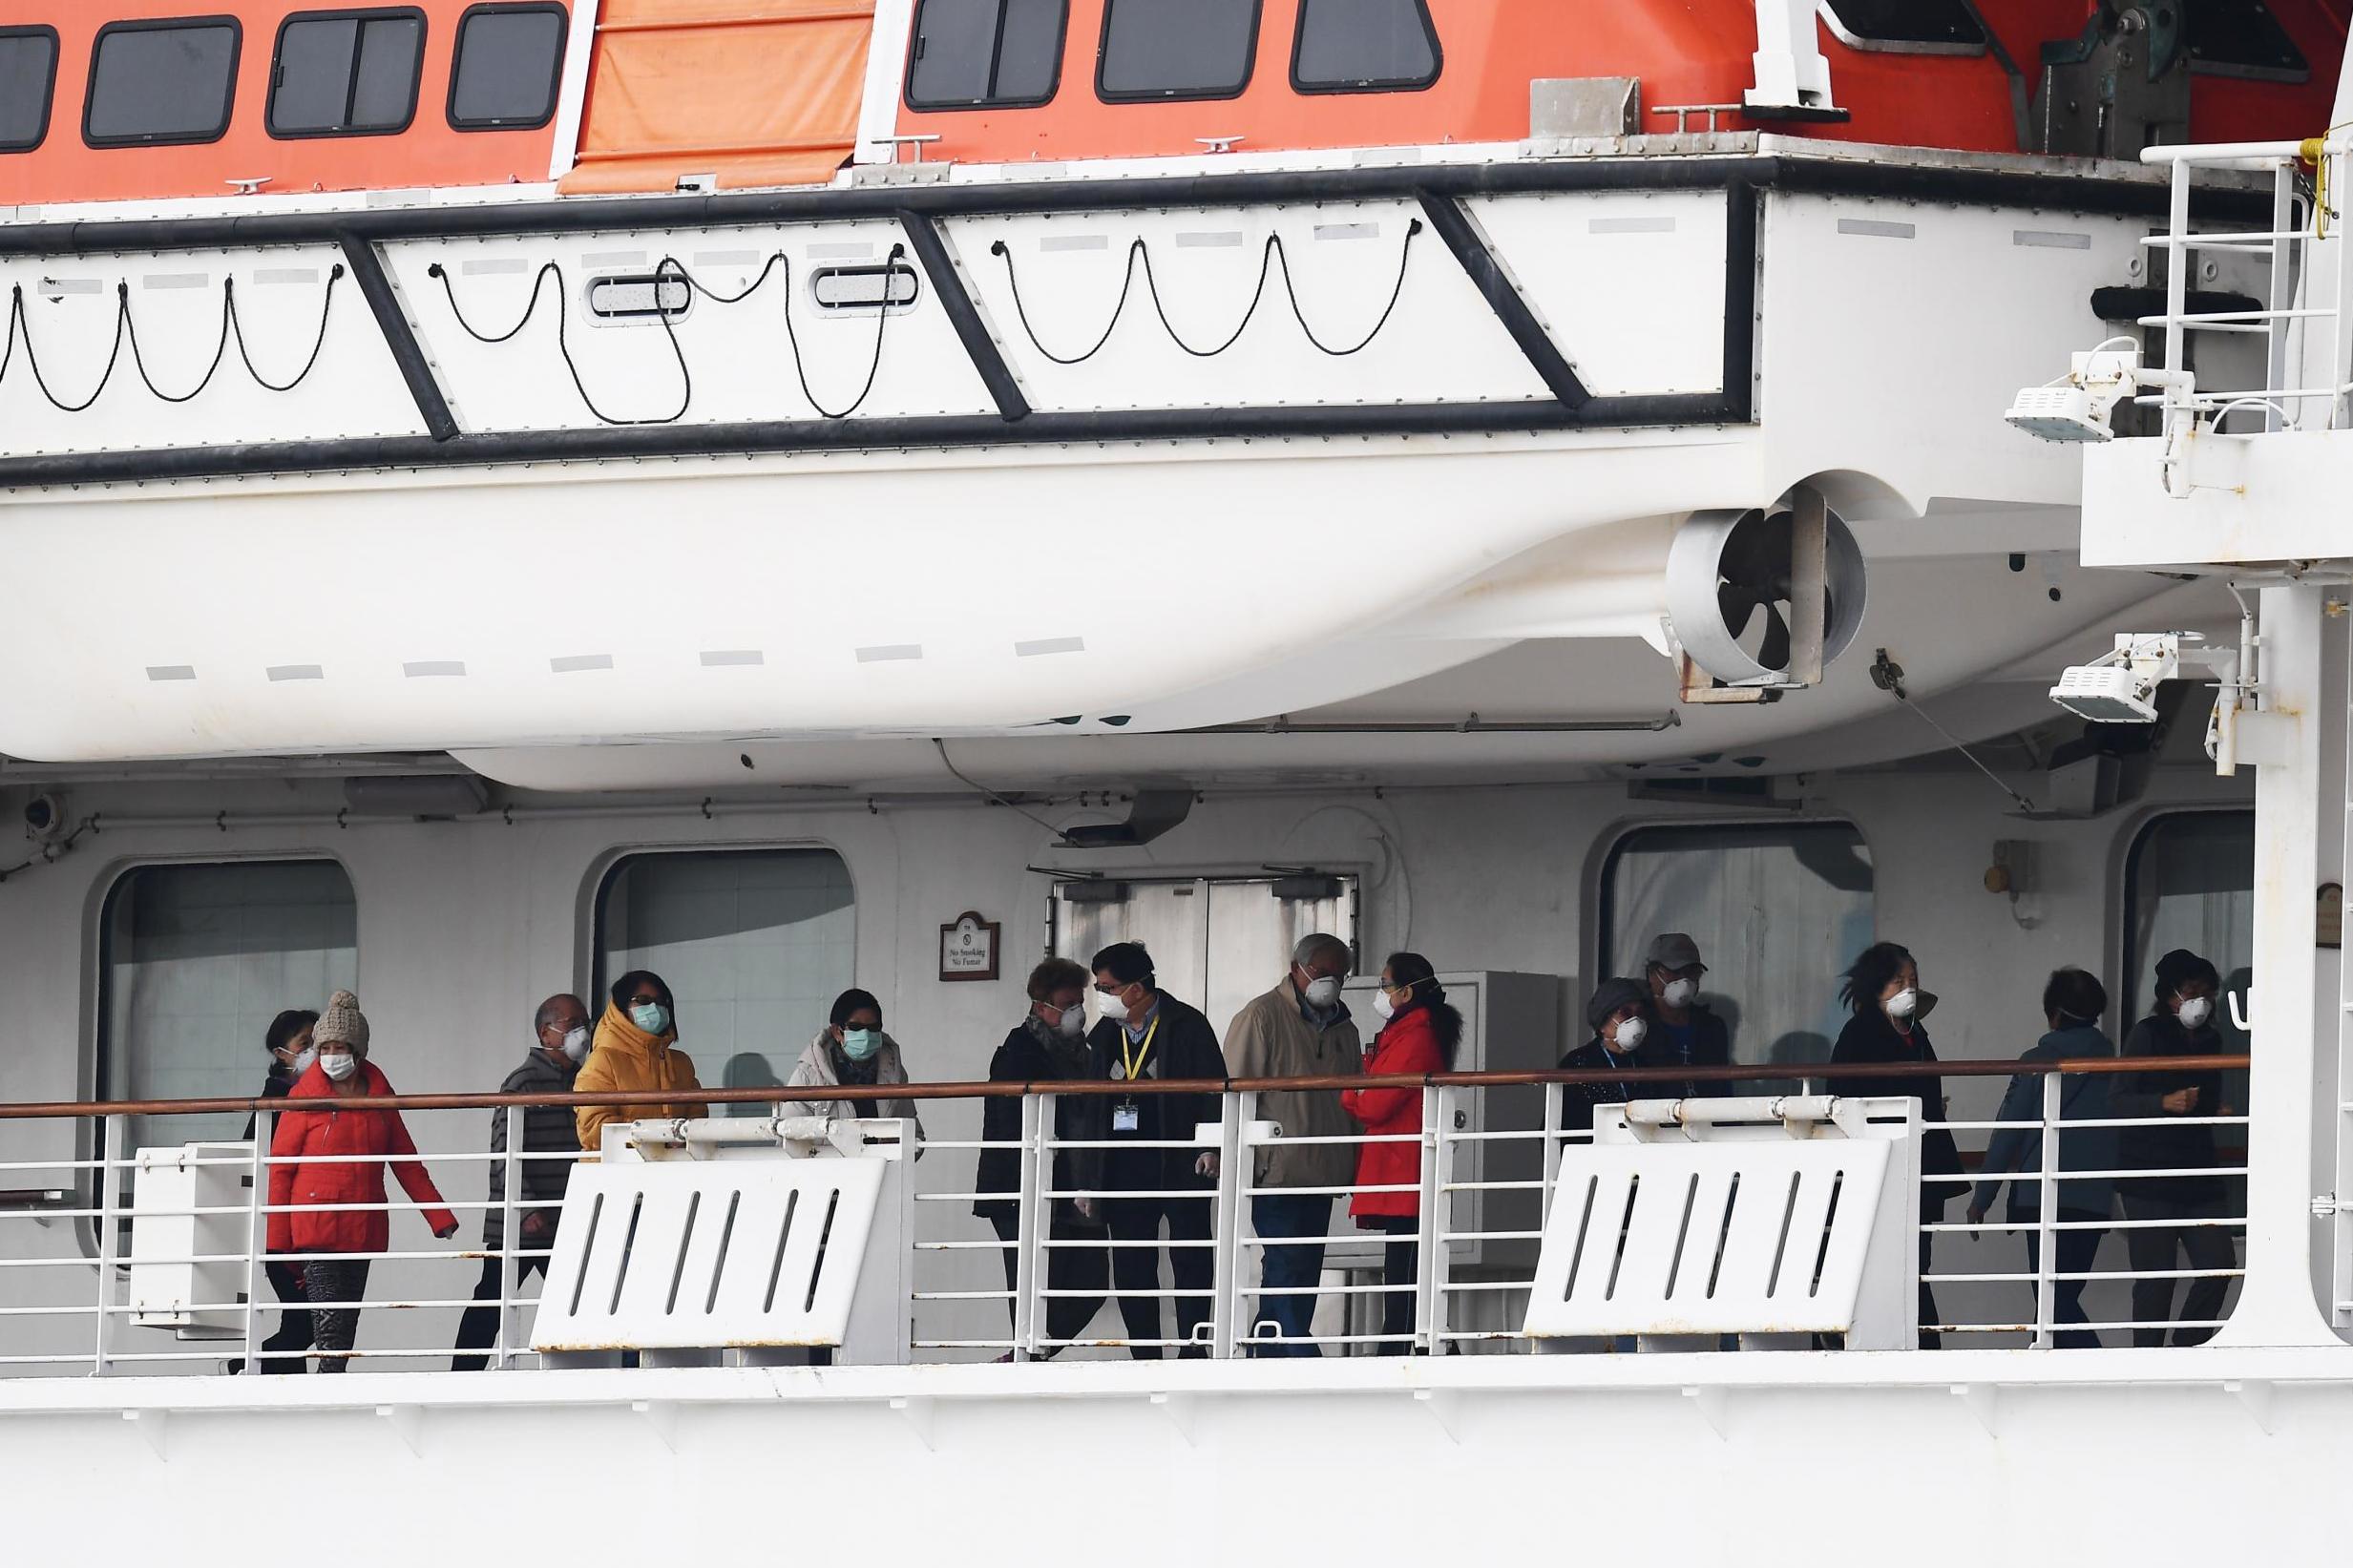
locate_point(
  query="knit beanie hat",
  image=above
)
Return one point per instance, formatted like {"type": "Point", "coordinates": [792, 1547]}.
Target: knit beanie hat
{"type": "Point", "coordinates": [342, 1021]}
{"type": "Point", "coordinates": [1611, 996]}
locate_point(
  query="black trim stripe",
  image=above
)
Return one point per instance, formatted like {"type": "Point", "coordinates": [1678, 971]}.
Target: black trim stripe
{"type": "Point", "coordinates": [368, 271]}
{"type": "Point", "coordinates": [1454, 226]}
{"type": "Point", "coordinates": [948, 288]}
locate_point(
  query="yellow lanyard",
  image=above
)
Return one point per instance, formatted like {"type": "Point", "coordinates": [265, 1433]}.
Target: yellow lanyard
{"type": "Point", "coordinates": [1129, 1065]}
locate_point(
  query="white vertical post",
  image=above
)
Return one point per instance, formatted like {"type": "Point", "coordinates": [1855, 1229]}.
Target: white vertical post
{"type": "Point", "coordinates": [2047, 1214]}
{"type": "Point", "coordinates": [2342, 322]}
{"type": "Point", "coordinates": [2275, 1304]}
{"type": "Point", "coordinates": [1552, 1149]}
{"type": "Point", "coordinates": [1791, 71]}
{"type": "Point", "coordinates": [257, 1235]}
{"type": "Point", "coordinates": [1032, 1213]}
{"type": "Point", "coordinates": [2176, 284]}
{"type": "Point", "coordinates": [1434, 1272]}
{"type": "Point", "coordinates": [1432, 1194]}
{"type": "Point", "coordinates": [110, 1231]}
{"type": "Point", "coordinates": [510, 1238]}
{"type": "Point", "coordinates": [2282, 294]}
{"type": "Point", "coordinates": [1235, 1161]}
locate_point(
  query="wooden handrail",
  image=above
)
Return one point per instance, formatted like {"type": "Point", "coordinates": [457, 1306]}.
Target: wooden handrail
{"type": "Point", "coordinates": [774, 1094]}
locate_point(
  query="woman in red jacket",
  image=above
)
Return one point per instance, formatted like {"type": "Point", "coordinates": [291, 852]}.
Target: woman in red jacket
{"type": "Point", "coordinates": [303, 1175]}
{"type": "Point", "coordinates": [1420, 1037]}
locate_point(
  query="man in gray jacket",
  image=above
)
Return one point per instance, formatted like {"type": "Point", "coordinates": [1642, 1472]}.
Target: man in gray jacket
{"type": "Point", "coordinates": [1300, 1029]}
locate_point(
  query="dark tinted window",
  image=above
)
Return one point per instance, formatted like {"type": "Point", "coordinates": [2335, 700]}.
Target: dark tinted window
{"type": "Point", "coordinates": [2242, 38]}
{"type": "Point", "coordinates": [510, 59]}
{"type": "Point", "coordinates": [28, 78]}
{"type": "Point", "coordinates": [1907, 24]}
{"type": "Point", "coordinates": [159, 82]}
{"type": "Point", "coordinates": [343, 76]}
{"type": "Point", "coordinates": [1176, 49]}
{"type": "Point", "coordinates": [972, 54]}
{"type": "Point", "coordinates": [1360, 45]}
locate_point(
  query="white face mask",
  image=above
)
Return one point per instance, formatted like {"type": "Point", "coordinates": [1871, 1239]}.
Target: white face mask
{"type": "Point", "coordinates": [1631, 1035]}
{"type": "Point", "coordinates": [1071, 1023]}
{"type": "Point", "coordinates": [575, 1044]}
{"type": "Point", "coordinates": [340, 1066]}
{"type": "Point", "coordinates": [1322, 992]}
{"type": "Point", "coordinates": [2195, 1011]}
{"type": "Point", "coordinates": [1382, 1005]}
{"type": "Point", "coordinates": [302, 1059]}
{"type": "Point", "coordinates": [1904, 1003]}
{"type": "Point", "coordinates": [1679, 993]}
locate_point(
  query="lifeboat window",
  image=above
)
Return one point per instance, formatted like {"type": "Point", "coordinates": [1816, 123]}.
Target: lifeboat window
{"type": "Point", "coordinates": [863, 288]}
{"type": "Point", "coordinates": [155, 84]}
{"type": "Point", "coordinates": [2242, 38]}
{"type": "Point", "coordinates": [510, 63]}
{"type": "Point", "coordinates": [1156, 50]}
{"type": "Point", "coordinates": [349, 73]}
{"type": "Point", "coordinates": [28, 78]}
{"type": "Point", "coordinates": [1906, 27]}
{"type": "Point", "coordinates": [986, 53]}
{"type": "Point", "coordinates": [1364, 46]}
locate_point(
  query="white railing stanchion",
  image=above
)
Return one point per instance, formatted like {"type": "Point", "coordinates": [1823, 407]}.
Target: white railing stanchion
{"type": "Point", "coordinates": [257, 1235]}
{"type": "Point", "coordinates": [1439, 1264]}
{"type": "Point", "coordinates": [1236, 1160]}
{"type": "Point", "coordinates": [2342, 323]}
{"type": "Point", "coordinates": [109, 1238]}
{"type": "Point", "coordinates": [2178, 265]}
{"type": "Point", "coordinates": [2283, 287]}
{"type": "Point", "coordinates": [1033, 1216]}
{"type": "Point", "coordinates": [1432, 1194]}
{"type": "Point", "coordinates": [1552, 1148]}
{"type": "Point", "coordinates": [510, 1238]}
{"type": "Point", "coordinates": [2047, 1220]}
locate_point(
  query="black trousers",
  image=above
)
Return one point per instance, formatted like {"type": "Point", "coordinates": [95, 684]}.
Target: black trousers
{"type": "Point", "coordinates": [1136, 1270]}
{"type": "Point", "coordinates": [1401, 1264]}
{"type": "Point", "coordinates": [1082, 1269]}
{"type": "Point", "coordinates": [293, 1322]}
{"type": "Point", "coordinates": [2206, 1246]}
{"type": "Point", "coordinates": [2071, 1253]}
{"type": "Point", "coordinates": [479, 1330]}
{"type": "Point", "coordinates": [328, 1280]}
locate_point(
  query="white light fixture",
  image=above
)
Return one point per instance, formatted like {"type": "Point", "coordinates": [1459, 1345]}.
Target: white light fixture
{"type": "Point", "coordinates": [2076, 408]}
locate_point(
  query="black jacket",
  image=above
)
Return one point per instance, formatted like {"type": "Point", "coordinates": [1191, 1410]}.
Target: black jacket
{"type": "Point", "coordinates": [1183, 1046]}
{"type": "Point", "coordinates": [1032, 1053]}
{"type": "Point", "coordinates": [1871, 1037]}
{"type": "Point", "coordinates": [2160, 1034]}
{"type": "Point", "coordinates": [275, 1087]}
{"type": "Point", "coordinates": [1578, 1100]}
{"type": "Point", "coordinates": [1712, 1046]}
{"type": "Point", "coordinates": [547, 1129]}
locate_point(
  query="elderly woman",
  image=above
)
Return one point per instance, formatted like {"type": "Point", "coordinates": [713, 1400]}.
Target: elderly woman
{"type": "Point", "coordinates": [326, 1158]}
{"type": "Point", "coordinates": [1421, 1036]}
{"type": "Point", "coordinates": [851, 1051]}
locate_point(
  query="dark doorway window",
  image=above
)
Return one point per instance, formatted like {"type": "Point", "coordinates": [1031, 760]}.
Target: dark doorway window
{"type": "Point", "coordinates": [510, 65]}
{"type": "Point", "coordinates": [1364, 46]}
{"type": "Point", "coordinates": [986, 53]}
{"type": "Point", "coordinates": [28, 79]}
{"type": "Point", "coordinates": [1176, 48]}
{"type": "Point", "coordinates": [2242, 38]}
{"type": "Point", "coordinates": [1908, 26]}
{"type": "Point", "coordinates": [346, 74]}
{"type": "Point", "coordinates": [155, 84]}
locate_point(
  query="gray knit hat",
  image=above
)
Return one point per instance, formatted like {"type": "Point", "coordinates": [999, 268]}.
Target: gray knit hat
{"type": "Point", "coordinates": [1611, 996]}
{"type": "Point", "coordinates": [342, 1021]}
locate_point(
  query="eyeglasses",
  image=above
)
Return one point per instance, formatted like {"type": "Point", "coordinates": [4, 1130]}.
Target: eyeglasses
{"type": "Point", "coordinates": [645, 996]}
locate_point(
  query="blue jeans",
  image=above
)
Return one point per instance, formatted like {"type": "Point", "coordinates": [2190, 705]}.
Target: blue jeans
{"type": "Point", "coordinates": [1302, 1267]}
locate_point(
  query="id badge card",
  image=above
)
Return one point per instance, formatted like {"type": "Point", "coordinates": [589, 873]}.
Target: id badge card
{"type": "Point", "coordinates": [1126, 1119]}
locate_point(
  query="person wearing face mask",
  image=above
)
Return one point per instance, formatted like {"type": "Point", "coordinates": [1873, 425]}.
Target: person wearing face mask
{"type": "Point", "coordinates": [1619, 1017]}
{"type": "Point", "coordinates": [1420, 1035]}
{"type": "Point", "coordinates": [2180, 1023]}
{"type": "Point", "coordinates": [634, 1051]}
{"type": "Point", "coordinates": [326, 1159]}
{"type": "Point", "coordinates": [1300, 1029]}
{"type": "Point", "coordinates": [1881, 990]}
{"type": "Point", "coordinates": [2073, 1003]}
{"type": "Point", "coordinates": [1048, 1046]}
{"type": "Point", "coordinates": [287, 1040]}
{"type": "Point", "coordinates": [1144, 1034]}
{"type": "Point", "coordinates": [852, 1049]}
{"type": "Point", "coordinates": [1688, 1032]}
{"type": "Point", "coordinates": [559, 1044]}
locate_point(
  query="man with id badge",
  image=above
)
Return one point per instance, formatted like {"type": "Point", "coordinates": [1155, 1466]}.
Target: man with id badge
{"type": "Point", "coordinates": [1145, 1037]}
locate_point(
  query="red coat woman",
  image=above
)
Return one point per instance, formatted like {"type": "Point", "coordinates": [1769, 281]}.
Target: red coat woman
{"type": "Point", "coordinates": [1421, 1038]}
{"type": "Point", "coordinates": [324, 1157]}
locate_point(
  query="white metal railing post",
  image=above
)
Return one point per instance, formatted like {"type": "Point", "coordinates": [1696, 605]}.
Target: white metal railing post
{"type": "Point", "coordinates": [2176, 291]}
{"type": "Point", "coordinates": [510, 1238]}
{"type": "Point", "coordinates": [2282, 288]}
{"type": "Point", "coordinates": [1432, 1194]}
{"type": "Point", "coordinates": [2047, 1216]}
{"type": "Point", "coordinates": [1236, 1160]}
{"type": "Point", "coordinates": [2334, 162]}
{"type": "Point", "coordinates": [1552, 1149]}
{"type": "Point", "coordinates": [110, 1230]}
{"type": "Point", "coordinates": [1030, 1216]}
{"type": "Point", "coordinates": [1439, 1266]}
{"type": "Point", "coordinates": [257, 1235]}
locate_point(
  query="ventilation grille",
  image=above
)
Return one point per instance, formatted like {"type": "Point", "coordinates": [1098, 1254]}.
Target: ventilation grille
{"type": "Point", "coordinates": [719, 1254]}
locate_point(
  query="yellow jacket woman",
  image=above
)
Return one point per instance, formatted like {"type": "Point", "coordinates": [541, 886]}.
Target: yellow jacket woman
{"type": "Point", "coordinates": [636, 1050]}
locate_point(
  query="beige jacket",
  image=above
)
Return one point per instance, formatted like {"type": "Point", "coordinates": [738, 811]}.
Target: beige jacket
{"type": "Point", "coordinates": [1271, 1038]}
{"type": "Point", "coordinates": [817, 1067]}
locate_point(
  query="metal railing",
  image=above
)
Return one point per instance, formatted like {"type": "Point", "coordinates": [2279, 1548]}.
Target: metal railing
{"type": "Point", "coordinates": [1491, 1149]}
